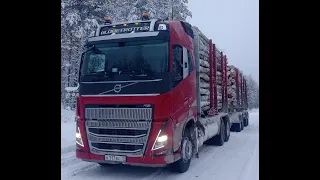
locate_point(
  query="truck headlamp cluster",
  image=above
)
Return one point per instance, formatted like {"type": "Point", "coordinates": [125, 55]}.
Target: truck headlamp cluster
{"type": "Point", "coordinates": [160, 142]}
{"type": "Point", "coordinates": [162, 138]}
{"type": "Point", "coordinates": [78, 137]}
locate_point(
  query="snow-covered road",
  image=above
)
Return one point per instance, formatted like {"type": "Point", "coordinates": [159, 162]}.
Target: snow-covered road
{"type": "Point", "coordinates": [238, 159]}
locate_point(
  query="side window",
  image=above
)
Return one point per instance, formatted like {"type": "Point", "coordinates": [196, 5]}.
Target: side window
{"type": "Point", "coordinates": [177, 55]}
{"type": "Point", "coordinates": [96, 63]}
{"type": "Point", "coordinates": [191, 68]}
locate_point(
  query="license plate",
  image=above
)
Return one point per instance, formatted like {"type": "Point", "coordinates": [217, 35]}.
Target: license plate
{"type": "Point", "coordinates": [115, 158]}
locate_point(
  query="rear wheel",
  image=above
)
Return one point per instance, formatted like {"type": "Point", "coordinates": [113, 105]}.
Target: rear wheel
{"type": "Point", "coordinates": [219, 138]}
{"type": "Point", "coordinates": [227, 134]}
{"type": "Point", "coordinates": [242, 125]}
{"type": "Point", "coordinates": [237, 127]}
{"type": "Point", "coordinates": [183, 164]}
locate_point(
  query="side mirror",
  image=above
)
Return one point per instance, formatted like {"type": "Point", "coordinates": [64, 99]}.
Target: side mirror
{"type": "Point", "coordinates": [80, 67]}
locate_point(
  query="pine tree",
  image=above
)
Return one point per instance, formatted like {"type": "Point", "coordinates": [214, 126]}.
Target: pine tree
{"type": "Point", "coordinates": [252, 92]}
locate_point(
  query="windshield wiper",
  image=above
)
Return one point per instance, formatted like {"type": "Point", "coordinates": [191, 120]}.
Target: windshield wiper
{"type": "Point", "coordinates": [134, 71]}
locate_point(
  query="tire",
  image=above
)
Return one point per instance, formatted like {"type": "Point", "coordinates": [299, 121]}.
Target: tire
{"type": "Point", "coordinates": [247, 120]}
{"type": "Point", "coordinates": [183, 164]}
{"type": "Point", "coordinates": [237, 127]}
{"type": "Point", "coordinates": [227, 132]}
{"type": "Point", "coordinates": [242, 127]}
{"type": "Point", "coordinates": [233, 129]}
{"type": "Point", "coordinates": [219, 138]}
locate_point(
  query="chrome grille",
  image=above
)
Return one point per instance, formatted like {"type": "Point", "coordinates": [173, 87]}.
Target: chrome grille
{"type": "Point", "coordinates": [119, 131]}
{"type": "Point", "coordinates": [125, 124]}
{"type": "Point", "coordinates": [119, 113]}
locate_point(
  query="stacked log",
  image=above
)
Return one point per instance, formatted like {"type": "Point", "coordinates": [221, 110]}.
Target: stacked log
{"type": "Point", "coordinates": [205, 74]}
{"type": "Point", "coordinates": [232, 89]}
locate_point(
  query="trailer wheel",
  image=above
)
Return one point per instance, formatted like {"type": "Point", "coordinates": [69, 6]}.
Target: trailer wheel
{"type": "Point", "coordinates": [237, 127]}
{"type": "Point", "coordinates": [227, 135]}
{"type": "Point", "coordinates": [219, 138]}
{"type": "Point", "coordinates": [242, 125]}
{"type": "Point", "coordinates": [183, 164]}
{"type": "Point", "coordinates": [244, 122]}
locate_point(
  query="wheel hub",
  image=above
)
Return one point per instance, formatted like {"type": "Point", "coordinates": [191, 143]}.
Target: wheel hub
{"type": "Point", "coordinates": [186, 150]}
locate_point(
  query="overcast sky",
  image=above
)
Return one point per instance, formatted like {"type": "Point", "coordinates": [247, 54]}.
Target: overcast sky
{"type": "Point", "coordinates": [233, 25]}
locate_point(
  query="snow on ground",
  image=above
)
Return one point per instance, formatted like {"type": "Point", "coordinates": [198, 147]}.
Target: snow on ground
{"type": "Point", "coordinates": [68, 130]}
{"type": "Point", "coordinates": [238, 159]}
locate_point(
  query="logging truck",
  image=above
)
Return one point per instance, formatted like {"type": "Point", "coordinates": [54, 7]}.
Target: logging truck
{"type": "Point", "coordinates": [145, 98]}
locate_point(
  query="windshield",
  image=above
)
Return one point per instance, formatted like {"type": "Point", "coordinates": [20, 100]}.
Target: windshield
{"type": "Point", "coordinates": [127, 58]}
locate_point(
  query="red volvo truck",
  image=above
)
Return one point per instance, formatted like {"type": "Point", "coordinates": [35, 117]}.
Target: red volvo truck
{"type": "Point", "coordinates": [139, 99]}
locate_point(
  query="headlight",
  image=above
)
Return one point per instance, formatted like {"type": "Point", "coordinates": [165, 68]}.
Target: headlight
{"type": "Point", "coordinates": [162, 138]}
{"type": "Point", "coordinates": [78, 137]}
{"type": "Point", "coordinates": [160, 142]}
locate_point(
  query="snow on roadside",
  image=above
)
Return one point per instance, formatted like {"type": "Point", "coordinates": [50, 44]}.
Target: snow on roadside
{"type": "Point", "coordinates": [254, 110]}
{"type": "Point", "coordinates": [68, 129]}
{"type": "Point", "coordinates": [67, 115]}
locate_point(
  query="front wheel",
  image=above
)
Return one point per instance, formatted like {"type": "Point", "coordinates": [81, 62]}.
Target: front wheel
{"type": "Point", "coordinates": [183, 164]}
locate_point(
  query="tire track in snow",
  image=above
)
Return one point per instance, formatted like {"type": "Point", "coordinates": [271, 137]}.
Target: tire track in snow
{"type": "Point", "coordinates": [70, 165]}
{"type": "Point", "coordinates": [75, 168]}
{"type": "Point", "coordinates": [68, 149]}
{"type": "Point", "coordinates": [68, 158]}
{"type": "Point", "coordinates": [252, 165]}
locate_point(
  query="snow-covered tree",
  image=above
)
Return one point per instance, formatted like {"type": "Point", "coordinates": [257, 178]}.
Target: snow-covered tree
{"type": "Point", "coordinates": [252, 92]}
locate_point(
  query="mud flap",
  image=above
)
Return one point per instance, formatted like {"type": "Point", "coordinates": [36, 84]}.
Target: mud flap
{"type": "Point", "coordinates": [195, 141]}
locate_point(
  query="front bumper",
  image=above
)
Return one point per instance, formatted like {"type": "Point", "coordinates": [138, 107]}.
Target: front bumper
{"type": "Point", "coordinates": [147, 160]}
{"type": "Point", "coordinates": [155, 158]}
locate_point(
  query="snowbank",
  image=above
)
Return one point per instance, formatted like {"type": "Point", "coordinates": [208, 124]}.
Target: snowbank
{"type": "Point", "coordinates": [67, 115]}
{"type": "Point", "coordinates": [254, 110]}
{"type": "Point", "coordinates": [68, 130]}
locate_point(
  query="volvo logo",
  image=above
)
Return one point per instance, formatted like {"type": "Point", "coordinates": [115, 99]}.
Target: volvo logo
{"type": "Point", "coordinates": [117, 88]}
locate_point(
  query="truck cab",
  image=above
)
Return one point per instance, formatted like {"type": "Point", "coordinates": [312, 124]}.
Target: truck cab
{"type": "Point", "coordinates": [137, 94]}
{"type": "Point", "coordinates": [141, 100]}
